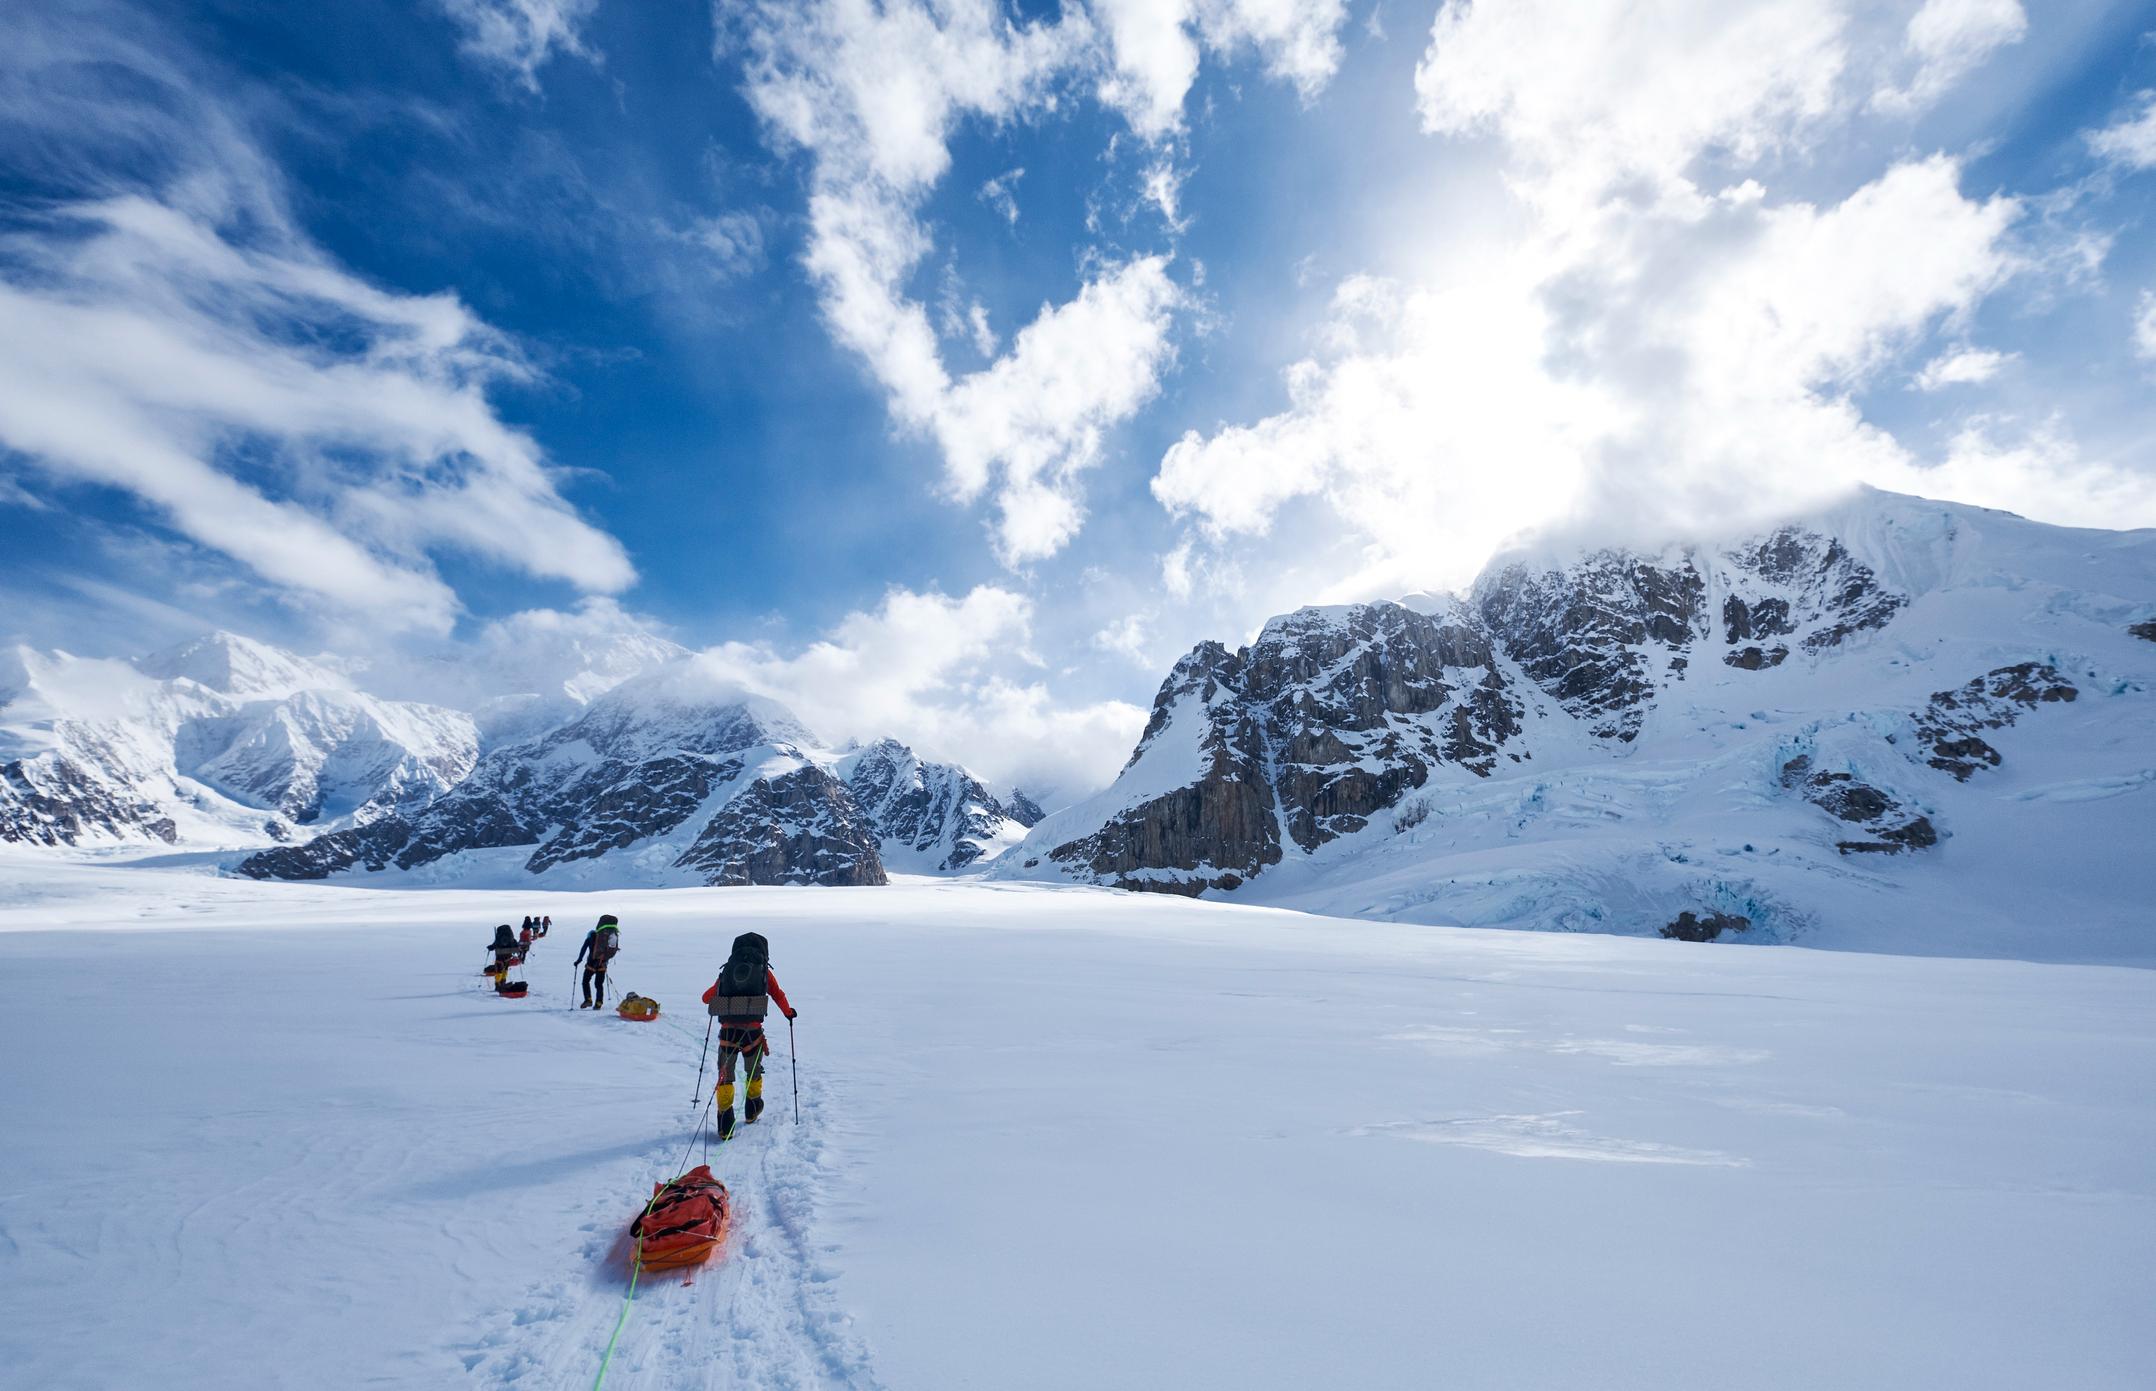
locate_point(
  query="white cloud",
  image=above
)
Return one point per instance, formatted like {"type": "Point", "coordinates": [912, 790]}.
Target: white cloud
{"type": "Point", "coordinates": [873, 93]}
{"type": "Point", "coordinates": [1946, 40]}
{"type": "Point", "coordinates": [947, 676]}
{"type": "Point", "coordinates": [521, 35]}
{"type": "Point", "coordinates": [2145, 326]}
{"type": "Point", "coordinates": [1153, 49]}
{"type": "Point", "coordinates": [735, 241]}
{"type": "Point", "coordinates": [1649, 355]}
{"type": "Point", "coordinates": [1127, 637]}
{"type": "Point", "coordinates": [1001, 193]}
{"type": "Point", "coordinates": [1962, 366]}
{"type": "Point", "coordinates": [189, 346]}
{"type": "Point", "coordinates": [2131, 140]}
{"type": "Point", "coordinates": [1596, 92]}
{"type": "Point", "coordinates": [1164, 190]}
{"type": "Point", "coordinates": [2037, 472]}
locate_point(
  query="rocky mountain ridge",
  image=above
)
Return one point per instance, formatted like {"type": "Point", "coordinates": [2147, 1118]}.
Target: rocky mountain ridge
{"type": "Point", "coordinates": [675, 777]}
{"type": "Point", "coordinates": [217, 740]}
{"type": "Point", "coordinates": [1821, 690]}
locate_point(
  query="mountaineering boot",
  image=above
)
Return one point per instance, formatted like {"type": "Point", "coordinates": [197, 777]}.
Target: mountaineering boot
{"type": "Point", "coordinates": [726, 1124]}
{"type": "Point", "coordinates": [755, 1107]}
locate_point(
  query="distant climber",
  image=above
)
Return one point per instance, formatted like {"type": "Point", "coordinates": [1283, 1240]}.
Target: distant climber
{"type": "Point", "coordinates": [524, 935]}
{"type": "Point", "coordinates": [739, 999]}
{"type": "Point", "coordinates": [546, 925]}
{"type": "Point", "coordinates": [505, 951]}
{"type": "Point", "coordinates": [601, 945]}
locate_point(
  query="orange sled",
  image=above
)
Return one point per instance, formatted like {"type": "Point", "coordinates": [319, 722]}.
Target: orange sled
{"type": "Point", "coordinates": [511, 989]}
{"type": "Point", "coordinates": [640, 1008]}
{"type": "Point", "coordinates": [684, 1224]}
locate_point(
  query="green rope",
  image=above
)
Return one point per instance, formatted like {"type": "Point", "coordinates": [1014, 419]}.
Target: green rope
{"type": "Point", "coordinates": [636, 1271]}
{"type": "Point", "coordinates": [636, 1260]}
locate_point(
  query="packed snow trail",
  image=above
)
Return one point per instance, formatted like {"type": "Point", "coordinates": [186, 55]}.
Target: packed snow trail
{"type": "Point", "coordinates": [270, 1136]}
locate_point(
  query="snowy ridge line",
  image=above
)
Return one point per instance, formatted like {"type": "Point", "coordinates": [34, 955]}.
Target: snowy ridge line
{"type": "Point", "coordinates": [1874, 725]}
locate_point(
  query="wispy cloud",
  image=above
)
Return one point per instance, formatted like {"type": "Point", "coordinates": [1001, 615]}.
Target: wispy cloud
{"type": "Point", "coordinates": [184, 342]}
{"type": "Point", "coordinates": [520, 36]}
{"type": "Point", "coordinates": [872, 94]}
{"type": "Point", "coordinates": [2129, 142]}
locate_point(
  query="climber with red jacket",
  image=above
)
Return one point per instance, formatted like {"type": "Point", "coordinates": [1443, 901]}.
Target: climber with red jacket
{"type": "Point", "coordinates": [739, 999]}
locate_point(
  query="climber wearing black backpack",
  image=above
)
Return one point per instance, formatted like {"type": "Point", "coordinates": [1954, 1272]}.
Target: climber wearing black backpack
{"type": "Point", "coordinates": [505, 949]}
{"type": "Point", "coordinates": [739, 999]}
{"type": "Point", "coordinates": [601, 944]}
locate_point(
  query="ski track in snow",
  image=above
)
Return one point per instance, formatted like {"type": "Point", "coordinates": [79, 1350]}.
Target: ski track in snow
{"type": "Point", "coordinates": [1055, 1139]}
{"type": "Point", "coordinates": [762, 1313]}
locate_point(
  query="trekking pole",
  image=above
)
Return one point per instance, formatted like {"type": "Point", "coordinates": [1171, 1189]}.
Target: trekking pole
{"type": "Point", "coordinates": [793, 1060]}
{"type": "Point", "coordinates": [700, 1061]}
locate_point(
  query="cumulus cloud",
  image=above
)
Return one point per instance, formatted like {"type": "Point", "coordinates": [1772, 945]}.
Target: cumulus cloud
{"type": "Point", "coordinates": [1592, 93]}
{"type": "Point", "coordinates": [2130, 142]}
{"type": "Point", "coordinates": [1153, 49]}
{"type": "Point", "coordinates": [1667, 344]}
{"type": "Point", "coordinates": [949, 676]}
{"type": "Point", "coordinates": [872, 93]}
{"type": "Point", "coordinates": [186, 344]}
{"type": "Point", "coordinates": [521, 35]}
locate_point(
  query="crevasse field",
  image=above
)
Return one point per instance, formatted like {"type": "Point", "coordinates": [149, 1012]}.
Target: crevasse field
{"type": "Point", "coordinates": [284, 1137]}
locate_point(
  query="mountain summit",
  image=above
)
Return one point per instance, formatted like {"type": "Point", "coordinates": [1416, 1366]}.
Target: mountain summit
{"type": "Point", "coordinates": [1829, 714]}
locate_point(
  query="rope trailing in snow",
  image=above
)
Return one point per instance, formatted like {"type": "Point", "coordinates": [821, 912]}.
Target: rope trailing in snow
{"type": "Point", "coordinates": [636, 1254]}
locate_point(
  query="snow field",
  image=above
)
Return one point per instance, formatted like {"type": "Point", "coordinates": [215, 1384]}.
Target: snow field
{"type": "Point", "coordinates": [277, 1135]}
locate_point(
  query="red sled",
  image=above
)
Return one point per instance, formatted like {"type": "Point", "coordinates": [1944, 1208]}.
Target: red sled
{"type": "Point", "coordinates": [684, 1224]}
{"type": "Point", "coordinates": [512, 990]}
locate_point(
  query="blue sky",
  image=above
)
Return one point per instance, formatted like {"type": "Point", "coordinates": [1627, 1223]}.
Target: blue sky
{"type": "Point", "coordinates": [948, 370]}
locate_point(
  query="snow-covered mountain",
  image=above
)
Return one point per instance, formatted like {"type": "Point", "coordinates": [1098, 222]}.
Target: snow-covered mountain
{"type": "Point", "coordinates": [932, 817]}
{"type": "Point", "coordinates": [676, 777]}
{"type": "Point", "coordinates": [1891, 710]}
{"type": "Point", "coordinates": [222, 741]}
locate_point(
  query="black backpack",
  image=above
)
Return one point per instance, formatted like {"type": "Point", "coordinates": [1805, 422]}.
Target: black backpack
{"type": "Point", "coordinates": [504, 936]}
{"type": "Point", "coordinates": [740, 993]}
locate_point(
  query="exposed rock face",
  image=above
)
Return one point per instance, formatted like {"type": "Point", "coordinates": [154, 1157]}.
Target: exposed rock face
{"type": "Point", "coordinates": [1600, 635]}
{"type": "Point", "coordinates": [1705, 927]}
{"type": "Point", "coordinates": [1328, 718]}
{"type": "Point", "coordinates": [52, 801]}
{"type": "Point", "coordinates": [636, 769]}
{"type": "Point", "coordinates": [801, 828]}
{"type": "Point", "coordinates": [1607, 634]}
{"type": "Point", "coordinates": [1947, 726]}
{"type": "Point", "coordinates": [938, 813]}
{"type": "Point", "coordinates": [1212, 831]}
{"type": "Point", "coordinates": [1334, 717]}
{"type": "Point", "coordinates": [1889, 827]}
{"type": "Point", "coordinates": [2144, 630]}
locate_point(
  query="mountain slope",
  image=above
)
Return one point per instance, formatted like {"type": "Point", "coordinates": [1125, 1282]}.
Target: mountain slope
{"type": "Point", "coordinates": [222, 741]}
{"type": "Point", "coordinates": [1892, 713]}
{"type": "Point", "coordinates": [680, 778]}
{"type": "Point", "coordinates": [931, 817]}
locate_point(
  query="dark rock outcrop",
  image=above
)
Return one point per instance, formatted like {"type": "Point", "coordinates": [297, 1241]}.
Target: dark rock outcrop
{"type": "Point", "coordinates": [50, 801]}
{"type": "Point", "coordinates": [1888, 826]}
{"type": "Point", "coordinates": [801, 828]}
{"type": "Point", "coordinates": [1705, 927]}
{"type": "Point", "coordinates": [935, 810]}
{"type": "Point", "coordinates": [1328, 718]}
{"type": "Point", "coordinates": [1948, 726]}
{"type": "Point", "coordinates": [1599, 635]}
{"type": "Point", "coordinates": [637, 766]}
